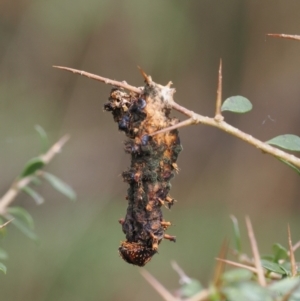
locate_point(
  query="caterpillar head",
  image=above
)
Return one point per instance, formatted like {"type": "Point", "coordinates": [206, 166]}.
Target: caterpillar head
{"type": "Point", "coordinates": [136, 253]}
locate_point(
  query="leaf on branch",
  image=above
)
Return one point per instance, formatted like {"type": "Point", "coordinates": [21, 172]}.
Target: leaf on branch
{"type": "Point", "coordinates": [36, 180]}
{"type": "Point", "coordinates": [272, 266]}
{"type": "Point", "coordinates": [21, 214]}
{"type": "Point", "coordinates": [22, 220]}
{"type": "Point", "coordinates": [35, 195]}
{"type": "Point", "coordinates": [280, 252]}
{"type": "Point", "coordinates": [190, 289]}
{"type": "Point", "coordinates": [286, 286]}
{"type": "Point", "coordinates": [296, 169]}
{"type": "Point", "coordinates": [237, 104]}
{"type": "Point", "coordinates": [44, 138]}
{"type": "Point", "coordinates": [32, 166]}
{"type": "Point", "coordinates": [24, 229]}
{"type": "Point", "coordinates": [237, 275]}
{"type": "Point", "coordinates": [288, 141]}
{"type": "Point", "coordinates": [3, 268]}
{"type": "Point", "coordinates": [60, 186]}
{"type": "Point", "coordinates": [249, 291]}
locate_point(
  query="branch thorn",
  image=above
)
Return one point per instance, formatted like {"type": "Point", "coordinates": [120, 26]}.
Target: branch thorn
{"type": "Point", "coordinates": [218, 114]}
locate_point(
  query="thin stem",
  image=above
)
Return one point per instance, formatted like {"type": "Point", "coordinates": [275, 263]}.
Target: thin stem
{"type": "Point", "coordinates": [296, 246]}
{"type": "Point", "coordinates": [255, 252]}
{"type": "Point", "coordinates": [218, 113]}
{"type": "Point", "coordinates": [220, 266]}
{"type": "Point", "coordinates": [183, 277]}
{"type": "Point", "coordinates": [284, 36]}
{"type": "Point", "coordinates": [18, 185]}
{"type": "Point", "coordinates": [5, 224]}
{"type": "Point", "coordinates": [292, 255]}
{"type": "Point", "coordinates": [237, 264]}
{"type": "Point", "coordinates": [176, 126]}
{"type": "Point", "coordinates": [158, 286]}
{"type": "Point", "coordinates": [102, 79]}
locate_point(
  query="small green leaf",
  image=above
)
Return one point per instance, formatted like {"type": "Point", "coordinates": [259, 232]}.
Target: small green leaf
{"type": "Point", "coordinates": [36, 180]}
{"type": "Point", "coordinates": [286, 267]}
{"type": "Point", "coordinates": [190, 289]}
{"type": "Point", "coordinates": [280, 252]}
{"type": "Point", "coordinates": [237, 275]}
{"type": "Point", "coordinates": [44, 138]}
{"type": "Point", "coordinates": [286, 286]}
{"type": "Point", "coordinates": [272, 266]}
{"type": "Point", "coordinates": [246, 291]}
{"type": "Point", "coordinates": [60, 186]}
{"type": "Point", "coordinates": [22, 215]}
{"type": "Point", "coordinates": [296, 169]}
{"type": "Point", "coordinates": [267, 257]}
{"type": "Point", "coordinates": [288, 141]}
{"type": "Point", "coordinates": [35, 195]}
{"type": "Point", "coordinates": [237, 233]}
{"type": "Point", "coordinates": [3, 268]}
{"type": "Point", "coordinates": [25, 229]}
{"type": "Point", "coordinates": [32, 166]}
{"type": "Point", "coordinates": [237, 104]}
{"type": "Point", "coordinates": [3, 254]}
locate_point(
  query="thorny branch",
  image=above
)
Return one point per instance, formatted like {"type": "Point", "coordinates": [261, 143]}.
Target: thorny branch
{"type": "Point", "coordinates": [216, 121]}
{"type": "Point", "coordinates": [19, 184]}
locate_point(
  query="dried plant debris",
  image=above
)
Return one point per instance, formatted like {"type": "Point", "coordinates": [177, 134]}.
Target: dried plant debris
{"type": "Point", "coordinates": [153, 165]}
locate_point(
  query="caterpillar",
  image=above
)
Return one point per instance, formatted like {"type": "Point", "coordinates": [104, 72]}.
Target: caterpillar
{"type": "Point", "coordinates": [153, 165]}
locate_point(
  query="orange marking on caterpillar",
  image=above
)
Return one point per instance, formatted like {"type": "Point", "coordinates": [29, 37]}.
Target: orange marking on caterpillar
{"type": "Point", "coordinates": [153, 165]}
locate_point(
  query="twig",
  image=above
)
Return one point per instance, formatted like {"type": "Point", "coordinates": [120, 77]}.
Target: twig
{"type": "Point", "coordinates": [292, 255]}
{"type": "Point", "coordinates": [284, 36]}
{"type": "Point", "coordinates": [183, 277]}
{"type": "Point", "coordinates": [158, 286]}
{"type": "Point", "coordinates": [102, 79]}
{"type": "Point", "coordinates": [296, 246]}
{"type": "Point", "coordinates": [17, 186]}
{"type": "Point", "coordinates": [5, 224]}
{"type": "Point", "coordinates": [220, 266]}
{"type": "Point", "coordinates": [239, 265]}
{"type": "Point", "coordinates": [218, 114]}
{"type": "Point", "coordinates": [256, 256]}
{"type": "Point", "coordinates": [197, 118]}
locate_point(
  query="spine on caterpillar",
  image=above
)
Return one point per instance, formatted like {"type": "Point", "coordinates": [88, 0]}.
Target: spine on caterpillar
{"type": "Point", "coordinates": [153, 165]}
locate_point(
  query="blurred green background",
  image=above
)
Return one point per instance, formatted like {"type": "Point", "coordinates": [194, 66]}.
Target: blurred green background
{"type": "Point", "coordinates": [182, 41]}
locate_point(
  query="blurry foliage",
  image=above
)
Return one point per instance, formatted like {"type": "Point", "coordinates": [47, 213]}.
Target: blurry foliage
{"type": "Point", "coordinates": [174, 40]}
{"type": "Point", "coordinates": [31, 173]}
{"type": "Point", "coordinates": [241, 283]}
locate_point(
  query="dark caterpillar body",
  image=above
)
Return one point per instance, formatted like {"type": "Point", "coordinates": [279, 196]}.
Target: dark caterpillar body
{"type": "Point", "coordinates": [153, 165]}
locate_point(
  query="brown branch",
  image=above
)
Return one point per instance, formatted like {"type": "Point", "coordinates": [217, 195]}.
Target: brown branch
{"type": "Point", "coordinates": [284, 36]}
{"type": "Point", "coordinates": [220, 266]}
{"type": "Point", "coordinates": [105, 80]}
{"type": "Point", "coordinates": [296, 246]}
{"type": "Point", "coordinates": [255, 252]}
{"type": "Point", "coordinates": [218, 114]}
{"type": "Point", "coordinates": [158, 286]}
{"type": "Point", "coordinates": [5, 224]}
{"type": "Point", "coordinates": [17, 186]}
{"type": "Point", "coordinates": [292, 255]}
{"type": "Point", "coordinates": [238, 265]}
{"type": "Point", "coordinates": [197, 118]}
